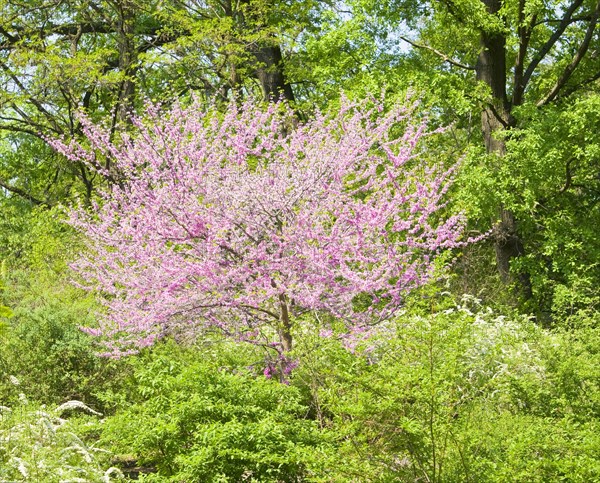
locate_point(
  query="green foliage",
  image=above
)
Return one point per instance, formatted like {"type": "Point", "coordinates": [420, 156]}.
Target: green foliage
{"type": "Point", "coordinates": [203, 415]}
{"type": "Point", "coordinates": [34, 238]}
{"type": "Point", "coordinates": [5, 313]}
{"type": "Point", "coordinates": [459, 393]}
{"type": "Point", "coordinates": [549, 179]}
{"type": "Point", "coordinates": [42, 175]}
{"type": "Point", "coordinates": [523, 448]}
{"type": "Point", "coordinates": [41, 343]}
{"type": "Point", "coordinates": [44, 347]}
{"type": "Point", "coordinates": [447, 392]}
{"type": "Point", "coordinates": [39, 443]}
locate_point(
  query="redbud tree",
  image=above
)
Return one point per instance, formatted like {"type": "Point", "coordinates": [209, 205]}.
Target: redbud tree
{"type": "Point", "coordinates": [246, 220]}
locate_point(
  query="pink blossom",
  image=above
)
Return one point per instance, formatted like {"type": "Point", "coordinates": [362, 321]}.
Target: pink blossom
{"type": "Point", "coordinates": [242, 222]}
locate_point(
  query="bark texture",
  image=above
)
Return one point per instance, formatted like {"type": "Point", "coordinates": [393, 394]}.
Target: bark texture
{"type": "Point", "coordinates": [495, 117]}
{"type": "Point", "coordinates": [270, 74]}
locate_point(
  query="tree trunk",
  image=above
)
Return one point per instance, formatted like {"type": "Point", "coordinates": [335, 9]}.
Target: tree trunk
{"type": "Point", "coordinates": [128, 58]}
{"type": "Point", "coordinates": [496, 116]}
{"type": "Point", "coordinates": [270, 74]}
{"type": "Point", "coordinates": [285, 335]}
{"type": "Point", "coordinates": [267, 52]}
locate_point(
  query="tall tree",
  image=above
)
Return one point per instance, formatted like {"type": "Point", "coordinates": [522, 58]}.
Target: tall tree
{"type": "Point", "coordinates": [107, 56]}
{"type": "Point", "coordinates": [503, 57]}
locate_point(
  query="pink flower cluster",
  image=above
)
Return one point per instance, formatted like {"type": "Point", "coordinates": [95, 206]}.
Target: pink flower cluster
{"type": "Point", "coordinates": [245, 220]}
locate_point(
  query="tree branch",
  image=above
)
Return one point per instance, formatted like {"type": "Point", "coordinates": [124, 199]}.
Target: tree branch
{"type": "Point", "coordinates": [564, 23]}
{"type": "Point", "coordinates": [22, 193]}
{"type": "Point", "coordinates": [562, 80]}
{"type": "Point", "coordinates": [71, 29]}
{"type": "Point", "coordinates": [16, 128]}
{"type": "Point", "coordinates": [524, 37]}
{"type": "Point", "coordinates": [583, 18]}
{"type": "Point", "coordinates": [440, 54]}
{"type": "Point", "coordinates": [568, 177]}
{"type": "Point", "coordinates": [571, 90]}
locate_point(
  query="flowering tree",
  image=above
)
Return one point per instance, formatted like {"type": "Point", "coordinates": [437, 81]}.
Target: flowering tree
{"type": "Point", "coordinates": [246, 220]}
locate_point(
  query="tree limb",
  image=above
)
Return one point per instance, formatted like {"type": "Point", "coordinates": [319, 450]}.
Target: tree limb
{"type": "Point", "coordinates": [440, 54]}
{"type": "Point", "coordinates": [524, 37]}
{"type": "Point", "coordinates": [15, 128]}
{"type": "Point", "coordinates": [564, 23]}
{"type": "Point", "coordinates": [22, 193]}
{"type": "Point", "coordinates": [580, 54]}
{"type": "Point", "coordinates": [571, 90]}
{"type": "Point", "coordinates": [568, 176]}
{"type": "Point", "coordinates": [582, 18]}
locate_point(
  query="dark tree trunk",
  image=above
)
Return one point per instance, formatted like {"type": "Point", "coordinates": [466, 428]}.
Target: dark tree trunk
{"type": "Point", "coordinates": [508, 245]}
{"type": "Point", "coordinates": [495, 117]}
{"type": "Point", "coordinates": [270, 74]}
{"type": "Point", "coordinates": [491, 69]}
{"type": "Point", "coordinates": [269, 66]}
{"type": "Point", "coordinates": [128, 58]}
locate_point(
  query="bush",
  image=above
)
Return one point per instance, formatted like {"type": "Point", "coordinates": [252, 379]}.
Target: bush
{"type": "Point", "coordinates": [459, 393]}
{"type": "Point", "coordinates": [37, 444]}
{"type": "Point", "coordinates": [202, 415]}
{"type": "Point", "coordinates": [41, 342]}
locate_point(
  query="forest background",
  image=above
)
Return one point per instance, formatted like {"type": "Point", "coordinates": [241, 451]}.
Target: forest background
{"type": "Point", "coordinates": [490, 373]}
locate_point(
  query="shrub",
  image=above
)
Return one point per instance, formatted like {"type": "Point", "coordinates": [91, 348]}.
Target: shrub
{"type": "Point", "coordinates": [453, 393]}
{"type": "Point", "coordinates": [41, 342]}
{"type": "Point", "coordinates": [197, 415]}
{"type": "Point", "coordinates": [38, 444]}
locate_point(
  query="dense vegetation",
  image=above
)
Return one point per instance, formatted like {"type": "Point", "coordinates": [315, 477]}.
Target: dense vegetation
{"type": "Point", "coordinates": [486, 365]}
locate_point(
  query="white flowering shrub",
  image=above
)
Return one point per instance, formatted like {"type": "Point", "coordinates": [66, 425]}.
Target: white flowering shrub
{"type": "Point", "coordinates": [41, 444]}
{"type": "Point", "coordinates": [459, 392]}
